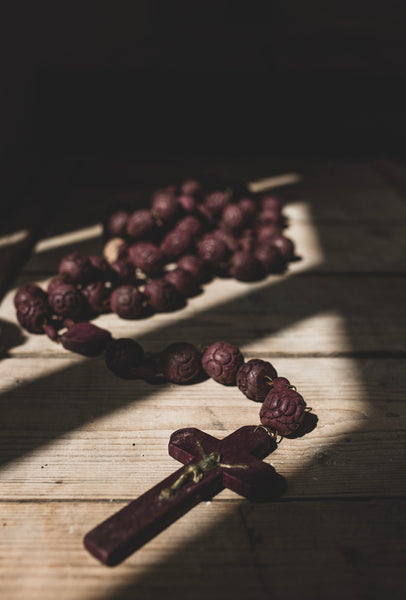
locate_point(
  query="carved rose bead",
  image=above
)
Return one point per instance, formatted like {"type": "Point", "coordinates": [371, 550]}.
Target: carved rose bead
{"type": "Point", "coordinates": [175, 243]}
{"type": "Point", "coordinates": [191, 187]}
{"type": "Point", "coordinates": [66, 301]}
{"type": "Point", "coordinates": [191, 224]}
{"type": "Point", "coordinates": [97, 295]}
{"type": "Point", "coordinates": [254, 377]}
{"type": "Point", "coordinates": [285, 246]}
{"type": "Point", "coordinates": [234, 217]}
{"type": "Point", "coordinates": [27, 292]}
{"type": "Point", "coordinates": [163, 296]}
{"type": "Point", "coordinates": [141, 225]}
{"type": "Point", "coordinates": [123, 356]}
{"type": "Point", "coordinates": [85, 338]}
{"type": "Point", "coordinates": [195, 266]}
{"type": "Point", "coordinates": [221, 362]}
{"type": "Point", "coordinates": [32, 314]}
{"type": "Point", "coordinates": [180, 362]}
{"type": "Point", "coordinates": [216, 201]}
{"type": "Point", "coordinates": [187, 202]}
{"type": "Point", "coordinates": [124, 271]}
{"type": "Point", "coordinates": [246, 267]}
{"type": "Point", "coordinates": [283, 408]}
{"type": "Point", "coordinates": [183, 281]}
{"type": "Point", "coordinates": [270, 258]}
{"type": "Point", "coordinates": [147, 257]}
{"type": "Point", "coordinates": [165, 206]}
{"type": "Point", "coordinates": [116, 223]}
{"type": "Point", "coordinates": [271, 202]}
{"type": "Point", "coordinates": [76, 268]}
{"type": "Point", "coordinates": [128, 302]}
{"type": "Point", "coordinates": [214, 252]}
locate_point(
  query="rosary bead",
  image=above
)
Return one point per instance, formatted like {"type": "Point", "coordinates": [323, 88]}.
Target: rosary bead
{"type": "Point", "coordinates": [183, 281]}
{"type": "Point", "coordinates": [234, 217]}
{"type": "Point", "coordinates": [270, 216]}
{"type": "Point", "coordinates": [97, 295]}
{"type": "Point", "coordinates": [163, 296]}
{"type": "Point", "coordinates": [246, 267]}
{"type": "Point", "coordinates": [214, 252]}
{"type": "Point", "coordinates": [187, 202]}
{"type": "Point", "coordinates": [269, 201]}
{"type": "Point", "coordinates": [124, 272]}
{"type": "Point", "coordinates": [195, 266]}
{"type": "Point", "coordinates": [227, 236]}
{"type": "Point", "coordinates": [27, 292]}
{"type": "Point", "coordinates": [32, 314]}
{"type": "Point", "coordinates": [270, 258]}
{"type": "Point", "coordinates": [254, 377]}
{"type": "Point", "coordinates": [265, 233]}
{"type": "Point", "coordinates": [176, 243]}
{"type": "Point", "coordinates": [123, 356]}
{"type": "Point", "coordinates": [128, 302]}
{"type": "Point", "coordinates": [66, 301]}
{"type": "Point", "coordinates": [191, 225]}
{"type": "Point", "coordinates": [221, 362]}
{"type": "Point", "coordinates": [141, 225]}
{"type": "Point", "coordinates": [283, 408]}
{"type": "Point", "coordinates": [85, 338]}
{"type": "Point", "coordinates": [285, 246]}
{"type": "Point", "coordinates": [76, 268]}
{"type": "Point", "coordinates": [147, 257]}
{"type": "Point", "coordinates": [191, 187]}
{"type": "Point", "coordinates": [116, 224]}
{"type": "Point", "coordinates": [216, 201]}
{"type": "Point", "coordinates": [165, 206]}
{"type": "Point", "coordinates": [248, 206]}
{"type": "Point", "coordinates": [180, 362]}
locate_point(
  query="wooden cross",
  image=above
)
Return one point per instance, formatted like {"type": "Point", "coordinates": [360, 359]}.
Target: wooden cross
{"type": "Point", "coordinates": [211, 465]}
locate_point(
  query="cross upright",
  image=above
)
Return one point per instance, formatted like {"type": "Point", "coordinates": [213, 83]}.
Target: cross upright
{"type": "Point", "coordinates": [210, 466]}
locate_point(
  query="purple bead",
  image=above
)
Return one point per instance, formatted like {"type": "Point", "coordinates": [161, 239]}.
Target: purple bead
{"type": "Point", "coordinates": [187, 202]}
{"type": "Point", "coordinates": [85, 338]}
{"type": "Point", "coordinates": [128, 302]}
{"type": "Point", "coordinates": [147, 257]}
{"type": "Point", "coordinates": [76, 268]}
{"type": "Point", "coordinates": [165, 206]}
{"type": "Point", "coordinates": [195, 266]}
{"type": "Point", "coordinates": [227, 236]}
{"type": "Point", "coordinates": [29, 291]}
{"type": "Point", "coordinates": [163, 296]}
{"type": "Point", "coordinates": [265, 233]}
{"type": "Point", "coordinates": [97, 295]}
{"type": "Point", "coordinates": [176, 243]}
{"type": "Point", "coordinates": [234, 217]}
{"type": "Point", "coordinates": [32, 314]}
{"type": "Point", "coordinates": [214, 252]}
{"type": "Point", "coordinates": [183, 281]}
{"type": "Point", "coordinates": [141, 225]}
{"type": "Point", "coordinates": [191, 187]}
{"type": "Point", "coordinates": [116, 224]}
{"type": "Point", "coordinates": [191, 225]}
{"type": "Point", "coordinates": [270, 216]}
{"type": "Point", "coordinates": [216, 201]}
{"type": "Point", "coordinates": [285, 246]}
{"type": "Point", "coordinates": [283, 408]}
{"type": "Point", "coordinates": [123, 356]}
{"type": "Point", "coordinates": [124, 272]}
{"type": "Point", "coordinates": [254, 378]}
{"type": "Point", "coordinates": [270, 258]}
{"type": "Point", "coordinates": [269, 201]}
{"type": "Point", "coordinates": [181, 362]}
{"type": "Point", "coordinates": [66, 301]}
{"type": "Point", "coordinates": [249, 207]}
{"type": "Point", "coordinates": [246, 267]}
{"type": "Point", "coordinates": [221, 361]}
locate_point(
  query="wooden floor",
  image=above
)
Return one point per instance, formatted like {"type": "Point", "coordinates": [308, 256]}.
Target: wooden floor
{"type": "Point", "coordinates": [77, 443]}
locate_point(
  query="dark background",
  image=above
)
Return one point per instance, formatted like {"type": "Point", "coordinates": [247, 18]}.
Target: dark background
{"type": "Point", "coordinates": [159, 78]}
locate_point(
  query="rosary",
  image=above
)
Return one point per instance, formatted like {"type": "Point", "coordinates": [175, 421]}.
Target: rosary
{"type": "Point", "coordinates": [222, 233]}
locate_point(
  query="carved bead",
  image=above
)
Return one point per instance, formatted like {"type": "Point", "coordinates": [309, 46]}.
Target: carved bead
{"type": "Point", "coordinates": [283, 408]}
{"type": "Point", "coordinates": [85, 338]}
{"type": "Point", "coordinates": [254, 378]}
{"type": "Point", "coordinates": [123, 356]}
{"type": "Point", "coordinates": [221, 362]}
{"type": "Point", "coordinates": [128, 302]}
{"type": "Point", "coordinates": [180, 362]}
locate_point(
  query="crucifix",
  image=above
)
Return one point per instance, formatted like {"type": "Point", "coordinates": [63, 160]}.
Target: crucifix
{"type": "Point", "coordinates": [210, 466]}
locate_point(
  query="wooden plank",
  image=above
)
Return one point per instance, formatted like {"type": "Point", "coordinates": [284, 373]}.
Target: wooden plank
{"type": "Point", "coordinates": [220, 549]}
{"type": "Point", "coordinates": [71, 429]}
{"type": "Point", "coordinates": [283, 314]}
